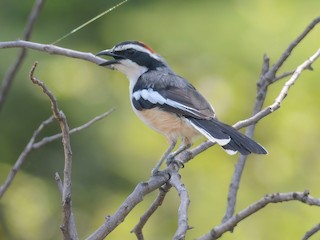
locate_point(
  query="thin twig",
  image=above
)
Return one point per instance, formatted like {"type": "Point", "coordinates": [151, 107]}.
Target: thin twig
{"type": "Point", "coordinates": [68, 225]}
{"type": "Point", "coordinates": [283, 93]}
{"type": "Point", "coordinates": [52, 138]}
{"type": "Point", "coordinates": [292, 46]}
{"type": "Point", "coordinates": [8, 79]}
{"type": "Point", "coordinates": [52, 49]}
{"type": "Point", "coordinates": [228, 225]}
{"type": "Point", "coordinates": [311, 232]}
{"type": "Point", "coordinates": [28, 148]}
{"type": "Point", "coordinates": [137, 230]}
{"type": "Point", "coordinates": [283, 75]}
{"type": "Point", "coordinates": [59, 182]}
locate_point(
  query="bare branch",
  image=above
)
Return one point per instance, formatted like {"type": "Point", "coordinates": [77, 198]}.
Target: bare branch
{"type": "Point", "coordinates": [131, 201]}
{"type": "Point", "coordinates": [232, 222]}
{"type": "Point", "coordinates": [290, 48]}
{"type": "Point", "coordinates": [32, 145]}
{"type": "Point", "coordinates": [60, 187]}
{"type": "Point", "coordinates": [283, 93]}
{"type": "Point", "coordinates": [68, 227]}
{"type": "Point", "coordinates": [52, 49]}
{"type": "Point", "coordinates": [268, 76]}
{"type": "Point", "coordinates": [28, 148]}
{"type": "Point", "coordinates": [137, 230]}
{"type": "Point", "coordinates": [7, 81]}
{"type": "Point", "coordinates": [183, 207]}
{"type": "Point", "coordinates": [188, 155]}
{"type": "Point", "coordinates": [283, 75]}
{"type": "Point", "coordinates": [311, 232]}
{"type": "Point", "coordinates": [234, 185]}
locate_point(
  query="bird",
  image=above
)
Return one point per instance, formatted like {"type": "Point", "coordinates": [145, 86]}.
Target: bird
{"type": "Point", "coordinates": [171, 105]}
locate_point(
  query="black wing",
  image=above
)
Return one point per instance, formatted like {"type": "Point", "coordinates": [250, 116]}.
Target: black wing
{"type": "Point", "coordinates": [171, 93]}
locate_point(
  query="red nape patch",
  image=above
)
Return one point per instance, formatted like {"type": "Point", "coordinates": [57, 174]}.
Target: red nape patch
{"type": "Point", "coordinates": [147, 47]}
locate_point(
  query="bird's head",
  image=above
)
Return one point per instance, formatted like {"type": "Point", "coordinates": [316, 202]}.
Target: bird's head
{"type": "Point", "coordinates": [132, 58]}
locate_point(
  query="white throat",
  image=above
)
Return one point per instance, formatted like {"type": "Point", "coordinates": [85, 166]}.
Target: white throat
{"type": "Point", "coordinates": [132, 70]}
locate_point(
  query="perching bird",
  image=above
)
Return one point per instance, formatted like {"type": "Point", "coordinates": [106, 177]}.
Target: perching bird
{"type": "Point", "coordinates": [169, 104]}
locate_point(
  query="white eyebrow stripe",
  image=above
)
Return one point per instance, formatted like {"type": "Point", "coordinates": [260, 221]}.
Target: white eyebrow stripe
{"type": "Point", "coordinates": [137, 47]}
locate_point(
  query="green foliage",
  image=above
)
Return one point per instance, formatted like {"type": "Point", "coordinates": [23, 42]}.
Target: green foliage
{"type": "Point", "coordinates": [218, 46]}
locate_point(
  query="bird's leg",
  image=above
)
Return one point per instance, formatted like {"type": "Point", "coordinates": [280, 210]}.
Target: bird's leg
{"type": "Point", "coordinates": [184, 146]}
{"type": "Point", "coordinates": [164, 157]}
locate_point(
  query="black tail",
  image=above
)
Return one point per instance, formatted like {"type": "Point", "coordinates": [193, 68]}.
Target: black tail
{"type": "Point", "coordinates": [226, 136]}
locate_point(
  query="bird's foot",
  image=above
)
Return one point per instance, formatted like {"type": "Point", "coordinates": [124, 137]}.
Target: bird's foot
{"type": "Point", "coordinates": [176, 162]}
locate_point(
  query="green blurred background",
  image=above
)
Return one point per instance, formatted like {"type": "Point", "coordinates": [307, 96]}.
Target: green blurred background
{"type": "Point", "coordinates": [218, 46]}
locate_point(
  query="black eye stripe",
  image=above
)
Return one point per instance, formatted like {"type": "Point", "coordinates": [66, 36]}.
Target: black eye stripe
{"type": "Point", "coordinates": [139, 57]}
{"type": "Point", "coordinates": [131, 51]}
{"type": "Point", "coordinates": [127, 53]}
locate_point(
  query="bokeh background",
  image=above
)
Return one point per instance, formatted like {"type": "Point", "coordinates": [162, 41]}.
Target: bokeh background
{"type": "Point", "coordinates": [218, 46]}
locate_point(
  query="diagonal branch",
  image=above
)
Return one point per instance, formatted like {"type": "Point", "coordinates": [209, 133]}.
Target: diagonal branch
{"type": "Point", "coordinates": [28, 148]}
{"type": "Point", "coordinates": [52, 138]}
{"type": "Point", "coordinates": [32, 145]}
{"type": "Point", "coordinates": [229, 224]}
{"type": "Point", "coordinates": [311, 232]}
{"type": "Point", "coordinates": [8, 79]}
{"type": "Point", "coordinates": [290, 48]}
{"type": "Point", "coordinates": [137, 230]}
{"type": "Point", "coordinates": [130, 202]}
